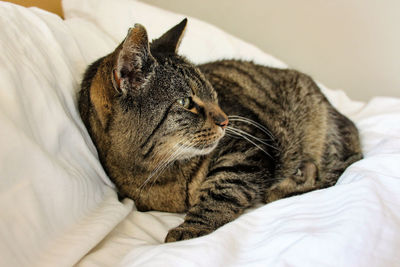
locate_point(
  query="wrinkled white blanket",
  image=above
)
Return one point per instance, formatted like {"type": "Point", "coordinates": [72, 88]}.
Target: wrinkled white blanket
{"type": "Point", "coordinates": [58, 208]}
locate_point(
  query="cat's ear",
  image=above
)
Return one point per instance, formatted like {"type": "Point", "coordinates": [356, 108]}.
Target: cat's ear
{"type": "Point", "coordinates": [169, 41]}
{"type": "Point", "coordinates": [134, 63]}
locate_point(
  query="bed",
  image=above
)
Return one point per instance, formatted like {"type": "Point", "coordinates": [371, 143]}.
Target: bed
{"type": "Point", "coordinates": [59, 208]}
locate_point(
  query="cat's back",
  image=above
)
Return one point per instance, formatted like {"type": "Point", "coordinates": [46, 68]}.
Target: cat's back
{"type": "Point", "coordinates": [248, 85]}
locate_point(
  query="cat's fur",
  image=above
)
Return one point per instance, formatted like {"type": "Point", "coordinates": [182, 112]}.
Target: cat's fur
{"type": "Point", "coordinates": [162, 134]}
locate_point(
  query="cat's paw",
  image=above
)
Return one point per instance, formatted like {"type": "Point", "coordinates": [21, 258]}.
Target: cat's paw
{"type": "Point", "coordinates": [306, 175]}
{"type": "Point", "coordinates": [185, 231]}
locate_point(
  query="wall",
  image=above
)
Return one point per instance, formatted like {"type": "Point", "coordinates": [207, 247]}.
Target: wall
{"type": "Point", "coordinates": [352, 45]}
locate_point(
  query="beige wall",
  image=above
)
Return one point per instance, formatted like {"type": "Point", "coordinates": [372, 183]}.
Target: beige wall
{"type": "Point", "coordinates": [346, 44]}
{"type": "Point", "coordinates": [349, 44]}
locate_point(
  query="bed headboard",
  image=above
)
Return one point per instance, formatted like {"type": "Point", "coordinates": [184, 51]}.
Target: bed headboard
{"type": "Point", "coordinates": [53, 6]}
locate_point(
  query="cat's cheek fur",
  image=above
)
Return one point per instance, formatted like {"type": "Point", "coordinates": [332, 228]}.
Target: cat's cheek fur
{"type": "Point", "coordinates": [192, 151]}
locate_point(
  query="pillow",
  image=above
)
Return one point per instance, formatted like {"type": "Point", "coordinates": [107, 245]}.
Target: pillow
{"type": "Point", "coordinates": [56, 201]}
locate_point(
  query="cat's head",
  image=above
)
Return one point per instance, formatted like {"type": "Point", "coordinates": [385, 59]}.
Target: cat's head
{"type": "Point", "coordinates": [145, 102]}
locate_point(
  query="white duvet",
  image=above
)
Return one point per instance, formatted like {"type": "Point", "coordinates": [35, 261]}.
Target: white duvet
{"type": "Point", "coordinates": [58, 207]}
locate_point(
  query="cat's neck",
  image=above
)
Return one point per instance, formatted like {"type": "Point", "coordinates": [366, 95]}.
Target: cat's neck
{"type": "Point", "coordinates": [182, 170]}
{"type": "Point", "coordinates": [148, 186]}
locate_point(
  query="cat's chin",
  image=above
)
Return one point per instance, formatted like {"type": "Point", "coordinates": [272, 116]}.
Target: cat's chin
{"type": "Point", "coordinates": [190, 151]}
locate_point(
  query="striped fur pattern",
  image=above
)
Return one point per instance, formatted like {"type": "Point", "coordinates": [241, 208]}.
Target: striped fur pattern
{"type": "Point", "coordinates": [209, 140]}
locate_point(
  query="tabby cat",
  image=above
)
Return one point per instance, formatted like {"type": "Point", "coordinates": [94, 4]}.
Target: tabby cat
{"type": "Point", "coordinates": [163, 135]}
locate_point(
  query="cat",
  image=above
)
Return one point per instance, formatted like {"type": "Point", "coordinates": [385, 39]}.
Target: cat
{"type": "Point", "coordinates": [163, 135]}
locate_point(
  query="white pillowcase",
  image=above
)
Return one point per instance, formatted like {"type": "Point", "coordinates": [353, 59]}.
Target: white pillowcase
{"type": "Point", "coordinates": [54, 193]}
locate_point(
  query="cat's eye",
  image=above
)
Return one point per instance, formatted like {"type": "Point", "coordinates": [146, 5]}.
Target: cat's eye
{"type": "Point", "coordinates": [186, 102]}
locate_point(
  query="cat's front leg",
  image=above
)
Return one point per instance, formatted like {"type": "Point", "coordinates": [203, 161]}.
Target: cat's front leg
{"type": "Point", "coordinates": [221, 199]}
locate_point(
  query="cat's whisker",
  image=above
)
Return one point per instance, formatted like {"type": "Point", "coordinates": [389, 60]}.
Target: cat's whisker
{"type": "Point", "coordinates": [167, 160]}
{"type": "Point", "coordinates": [231, 135]}
{"type": "Point", "coordinates": [254, 123]}
{"type": "Point", "coordinates": [163, 163]}
{"type": "Point", "coordinates": [249, 140]}
{"type": "Point", "coordinates": [171, 160]}
{"type": "Point", "coordinates": [260, 139]}
{"type": "Point", "coordinates": [251, 136]}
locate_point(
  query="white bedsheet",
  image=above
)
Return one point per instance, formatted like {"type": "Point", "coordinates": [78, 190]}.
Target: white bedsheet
{"type": "Point", "coordinates": [355, 223]}
{"type": "Point", "coordinates": [57, 204]}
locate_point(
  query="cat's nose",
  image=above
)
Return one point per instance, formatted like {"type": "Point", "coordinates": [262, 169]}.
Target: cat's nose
{"type": "Point", "coordinates": [217, 115]}
{"type": "Point", "coordinates": [221, 120]}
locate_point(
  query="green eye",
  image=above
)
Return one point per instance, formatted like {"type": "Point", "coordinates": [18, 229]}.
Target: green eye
{"type": "Point", "coordinates": [185, 102]}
